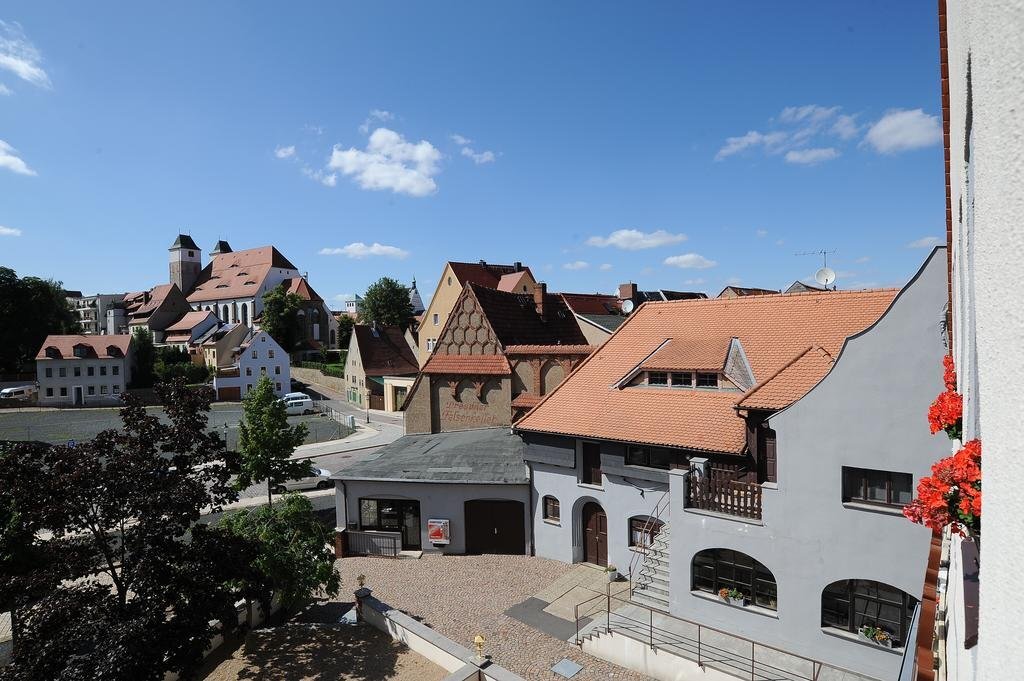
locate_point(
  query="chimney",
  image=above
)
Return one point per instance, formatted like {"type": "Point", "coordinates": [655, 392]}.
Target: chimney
{"type": "Point", "coordinates": [539, 291]}
{"type": "Point", "coordinates": [518, 266]}
{"type": "Point", "coordinates": [627, 291]}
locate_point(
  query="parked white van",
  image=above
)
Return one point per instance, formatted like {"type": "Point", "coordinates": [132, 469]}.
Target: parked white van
{"type": "Point", "coordinates": [20, 392]}
{"type": "Point", "coordinates": [298, 405]}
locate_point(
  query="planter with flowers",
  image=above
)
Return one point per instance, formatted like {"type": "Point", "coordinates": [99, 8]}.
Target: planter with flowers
{"type": "Point", "coordinates": [876, 635]}
{"type": "Point", "coordinates": [951, 495]}
{"type": "Point", "coordinates": [733, 596]}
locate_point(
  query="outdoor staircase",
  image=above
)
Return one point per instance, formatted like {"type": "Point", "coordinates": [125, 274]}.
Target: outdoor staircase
{"type": "Point", "coordinates": [650, 584]}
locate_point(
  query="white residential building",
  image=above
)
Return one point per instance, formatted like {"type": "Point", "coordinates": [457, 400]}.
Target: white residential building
{"type": "Point", "coordinates": [258, 355]}
{"type": "Point", "coordinates": [92, 310]}
{"type": "Point", "coordinates": [84, 370]}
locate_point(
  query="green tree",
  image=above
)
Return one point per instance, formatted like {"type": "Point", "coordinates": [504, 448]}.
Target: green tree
{"type": "Point", "coordinates": [172, 362]}
{"type": "Point", "coordinates": [280, 317]}
{"type": "Point", "coordinates": [293, 559]}
{"type": "Point", "coordinates": [126, 584]}
{"type": "Point", "coordinates": [345, 324]}
{"type": "Point", "coordinates": [266, 442]}
{"type": "Point", "coordinates": [386, 302]}
{"type": "Point", "coordinates": [30, 310]}
{"type": "Point", "coordinates": [145, 358]}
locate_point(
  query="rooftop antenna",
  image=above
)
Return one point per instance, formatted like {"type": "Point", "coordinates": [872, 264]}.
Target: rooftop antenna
{"type": "Point", "coordinates": [825, 276]}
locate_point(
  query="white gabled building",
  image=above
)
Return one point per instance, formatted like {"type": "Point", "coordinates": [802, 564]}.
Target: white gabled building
{"type": "Point", "coordinates": [88, 369]}
{"type": "Point", "coordinates": [258, 355]}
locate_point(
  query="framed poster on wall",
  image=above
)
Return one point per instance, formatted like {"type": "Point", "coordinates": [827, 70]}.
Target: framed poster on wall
{"type": "Point", "coordinates": [438, 531]}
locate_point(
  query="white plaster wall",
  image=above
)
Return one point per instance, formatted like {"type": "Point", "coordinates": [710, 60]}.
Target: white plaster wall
{"type": "Point", "coordinates": [988, 315]}
{"type": "Point", "coordinates": [437, 500]}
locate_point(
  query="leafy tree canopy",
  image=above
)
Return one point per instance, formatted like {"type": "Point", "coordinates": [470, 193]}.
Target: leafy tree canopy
{"type": "Point", "coordinates": [386, 302]}
{"type": "Point", "coordinates": [266, 441]}
{"type": "Point", "coordinates": [172, 362]}
{"type": "Point", "coordinates": [30, 310]}
{"type": "Point", "coordinates": [345, 324]}
{"type": "Point", "coordinates": [125, 585]}
{"type": "Point", "coordinates": [280, 317]}
{"type": "Point", "coordinates": [145, 358]}
{"type": "Point", "coordinates": [294, 560]}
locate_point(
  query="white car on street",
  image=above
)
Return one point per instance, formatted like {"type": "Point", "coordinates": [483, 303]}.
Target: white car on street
{"type": "Point", "coordinates": [321, 479]}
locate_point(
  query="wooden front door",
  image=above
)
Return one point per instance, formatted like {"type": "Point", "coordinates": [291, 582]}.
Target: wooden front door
{"type": "Point", "coordinates": [595, 535]}
{"type": "Point", "coordinates": [495, 526]}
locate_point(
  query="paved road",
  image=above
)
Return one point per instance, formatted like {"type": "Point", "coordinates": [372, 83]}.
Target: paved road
{"type": "Point", "coordinates": [336, 455]}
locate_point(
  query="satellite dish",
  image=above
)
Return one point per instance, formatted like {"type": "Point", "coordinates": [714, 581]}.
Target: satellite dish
{"type": "Point", "coordinates": [627, 306]}
{"type": "Point", "coordinates": [825, 276]}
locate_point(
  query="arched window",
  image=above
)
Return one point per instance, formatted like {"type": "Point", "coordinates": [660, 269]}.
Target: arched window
{"type": "Point", "coordinates": [224, 312]}
{"type": "Point", "coordinates": [716, 569]}
{"type": "Point", "coordinates": [234, 312]}
{"type": "Point", "coordinates": [245, 313]}
{"type": "Point", "coordinates": [642, 531]}
{"type": "Point", "coordinates": [552, 509]}
{"type": "Point", "coordinates": [852, 604]}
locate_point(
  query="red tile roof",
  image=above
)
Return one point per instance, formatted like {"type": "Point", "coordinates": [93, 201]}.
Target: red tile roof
{"type": "Point", "coordinates": [512, 281]}
{"type": "Point", "coordinates": [98, 346]}
{"type": "Point", "coordinates": [384, 351]}
{"type": "Point", "coordinates": [189, 321]}
{"type": "Point", "coordinates": [549, 349]}
{"type": "Point", "coordinates": [773, 329]}
{"type": "Point", "coordinates": [525, 401]}
{"type": "Point", "coordinates": [144, 303]}
{"type": "Point", "coordinates": [705, 352]}
{"type": "Point", "coordinates": [591, 303]}
{"type": "Point", "coordinates": [490, 365]}
{"type": "Point", "coordinates": [791, 382]}
{"type": "Point", "coordinates": [515, 320]}
{"type": "Point", "coordinates": [485, 274]}
{"type": "Point", "coordinates": [239, 274]}
{"type": "Point", "coordinates": [301, 287]}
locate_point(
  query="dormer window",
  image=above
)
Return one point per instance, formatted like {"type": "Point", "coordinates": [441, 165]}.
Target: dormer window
{"type": "Point", "coordinates": [53, 353]}
{"type": "Point", "coordinates": [659, 378]}
{"type": "Point", "coordinates": [682, 379]}
{"type": "Point", "coordinates": [707, 380]}
{"type": "Point", "coordinates": [81, 351]}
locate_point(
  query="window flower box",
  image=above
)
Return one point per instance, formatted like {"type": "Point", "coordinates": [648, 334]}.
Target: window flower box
{"type": "Point", "coordinates": [733, 597]}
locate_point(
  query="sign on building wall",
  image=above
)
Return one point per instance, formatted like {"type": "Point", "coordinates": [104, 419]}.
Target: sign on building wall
{"type": "Point", "coordinates": [438, 531]}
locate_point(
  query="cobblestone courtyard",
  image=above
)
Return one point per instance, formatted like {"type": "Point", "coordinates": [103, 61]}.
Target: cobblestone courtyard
{"type": "Point", "coordinates": [462, 596]}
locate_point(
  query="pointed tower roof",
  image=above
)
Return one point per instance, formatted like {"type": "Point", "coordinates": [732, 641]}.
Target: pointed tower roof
{"type": "Point", "coordinates": [221, 247]}
{"type": "Point", "coordinates": [183, 241]}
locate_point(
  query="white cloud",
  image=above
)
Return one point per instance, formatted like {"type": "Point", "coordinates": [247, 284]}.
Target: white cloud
{"type": "Point", "coordinates": [779, 242]}
{"type": "Point", "coordinates": [845, 127]}
{"type": "Point", "coordinates": [811, 113]}
{"type": "Point", "coordinates": [690, 261]}
{"type": "Point", "coordinates": [761, 233]}
{"type": "Point", "coordinates": [324, 178]}
{"type": "Point", "coordinates": [734, 145]}
{"type": "Point", "coordinates": [576, 265]}
{"type": "Point", "coordinates": [862, 260]}
{"type": "Point", "coordinates": [9, 231]}
{"type": "Point", "coordinates": [360, 250]}
{"type": "Point", "coordinates": [903, 130]}
{"type": "Point", "coordinates": [478, 158]}
{"type": "Point", "coordinates": [460, 140]}
{"type": "Point", "coordinates": [926, 242]}
{"type": "Point", "coordinates": [19, 56]}
{"type": "Point", "coordinates": [315, 129]}
{"type": "Point", "coordinates": [635, 240]}
{"type": "Point", "coordinates": [285, 152]}
{"type": "Point", "coordinates": [605, 266]}
{"type": "Point", "coordinates": [4, 90]}
{"type": "Point", "coordinates": [694, 282]}
{"type": "Point", "coordinates": [9, 160]}
{"type": "Point", "coordinates": [390, 162]}
{"type": "Point", "coordinates": [810, 157]}
{"type": "Point", "coordinates": [375, 116]}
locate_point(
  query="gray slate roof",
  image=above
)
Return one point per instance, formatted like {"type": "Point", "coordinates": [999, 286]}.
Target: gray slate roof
{"type": "Point", "coordinates": [486, 455]}
{"type": "Point", "coordinates": [184, 241]}
{"type": "Point", "coordinates": [609, 322]}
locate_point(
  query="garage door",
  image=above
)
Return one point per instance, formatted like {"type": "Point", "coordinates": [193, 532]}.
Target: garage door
{"type": "Point", "coordinates": [495, 527]}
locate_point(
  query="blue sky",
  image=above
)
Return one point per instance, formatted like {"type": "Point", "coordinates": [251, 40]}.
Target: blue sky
{"type": "Point", "coordinates": [680, 145]}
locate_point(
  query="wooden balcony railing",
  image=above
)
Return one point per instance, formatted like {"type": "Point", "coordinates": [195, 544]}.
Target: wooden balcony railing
{"type": "Point", "coordinates": [718, 490]}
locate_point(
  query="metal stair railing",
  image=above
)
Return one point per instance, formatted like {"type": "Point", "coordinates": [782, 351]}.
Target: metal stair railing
{"type": "Point", "coordinates": [639, 557]}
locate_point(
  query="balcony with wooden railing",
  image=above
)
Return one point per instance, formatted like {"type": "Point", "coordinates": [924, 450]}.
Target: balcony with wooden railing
{"type": "Point", "coordinates": [721, 491]}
